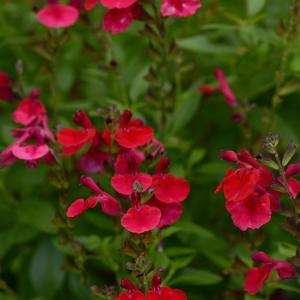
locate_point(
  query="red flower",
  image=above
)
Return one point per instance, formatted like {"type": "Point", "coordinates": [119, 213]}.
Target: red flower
{"type": "Point", "coordinates": [117, 20]}
{"type": "Point", "coordinates": [252, 212]}
{"type": "Point", "coordinates": [248, 199]}
{"type": "Point", "coordinates": [170, 212]}
{"type": "Point", "coordinates": [90, 4]}
{"type": "Point", "coordinates": [74, 139]}
{"type": "Point", "coordinates": [128, 161]}
{"type": "Point", "coordinates": [110, 205]}
{"type": "Point", "coordinates": [257, 276]}
{"type": "Point", "coordinates": [164, 293]}
{"type": "Point", "coordinates": [167, 187]}
{"type": "Point", "coordinates": [141, 219]}
{"type": "Point", "coordinates": [124, 184]}
{"type": "Point", "coordinates": [293, 183]}
{"type": "Point", "coordinates": [179, 8]}
{"type": "Point", "coordinates": [6, 92]}
{"type": "Point", "coordinates": [132, 292]}
{"type": "Point", "coordinates": [223, 87]}
{"type": "Point", "coordinates": [56, 15]}
{"type": "Point", "coordinates": [132, 133]}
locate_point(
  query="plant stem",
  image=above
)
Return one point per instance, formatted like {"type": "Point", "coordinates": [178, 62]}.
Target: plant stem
{"type": "Point", "coordinates": [286, 187]}
{"type": "Point", "coordinates": [290, 35]}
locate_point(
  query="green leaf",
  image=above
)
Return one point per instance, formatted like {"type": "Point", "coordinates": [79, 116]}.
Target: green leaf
{"type": "Point", "coordinates": [37, 213]}
{"type": "Point", "coordinates": [195, 157]}
{"type": "Point", "coordinates": [255, 6]}
{"type": "Point", "coordinates": [46, 273]}
{"type": "Point", "coordinates": [197, 277]}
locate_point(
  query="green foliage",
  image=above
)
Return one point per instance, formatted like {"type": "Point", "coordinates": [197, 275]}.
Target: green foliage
{"type": "Point", "coordinates": [84, 68]}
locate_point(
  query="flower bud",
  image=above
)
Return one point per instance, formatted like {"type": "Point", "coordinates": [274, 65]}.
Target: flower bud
{"type": "Point", "coordinates": [270, 143]}
{"type": "Point", "coordinates": [289, 153]}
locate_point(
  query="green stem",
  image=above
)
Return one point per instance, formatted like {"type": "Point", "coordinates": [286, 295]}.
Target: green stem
{"type": "Point", "coordinates": [286, 187]}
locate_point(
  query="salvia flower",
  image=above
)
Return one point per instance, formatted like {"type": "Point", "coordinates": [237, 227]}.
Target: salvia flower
{"type": "Point", "coordinates": [179, 8]}
{"type": "Point", "coordinates": [109, 204]}
{"type": "Point", "coordinates": [156, 292]}
{"type": "Point", "coordinates": [151, 201]}
{"type": "Point", "coordinates": [249, 199]}
{"type": "Point", "coordinates": [293, 183]}
{"type": "Point", "coordinates": [6, 92]}
{"type": "Point", "coordinates": [257, 276]}
{"type": "Point", "coordinates": [33, 139]}
{"type": "Point", "coordinates": [223, 87]}
{"type": "Point", "coordinates": [57, 15]}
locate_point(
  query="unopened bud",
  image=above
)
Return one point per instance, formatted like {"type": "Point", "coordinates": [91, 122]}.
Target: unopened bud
{"type": "Point", "coordinates": [289, 153]}
{"type": "Point", "coordinates": [270, 143]}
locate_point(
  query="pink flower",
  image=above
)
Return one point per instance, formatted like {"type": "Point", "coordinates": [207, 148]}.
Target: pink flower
{"type": "Point", "coordinates": [56, 15]}
{"type": "Point", "coordinates": [111, 4]}
{"type": "Point", "coordinates": [30, 109]}
{"type": "Point", "coordinates": [257, 276]}
{"type": "Point", "coordinates": [179, 8]}
{"type": "Point", "coordinates": [223, 87]}
{"type": "Point", "coordinates": [32, 140]}
{"type": "Point", "coordinates": [117, 20]}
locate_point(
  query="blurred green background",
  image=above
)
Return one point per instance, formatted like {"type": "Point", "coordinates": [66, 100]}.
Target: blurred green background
{"type": "Point", "coordinates": [84, 68]}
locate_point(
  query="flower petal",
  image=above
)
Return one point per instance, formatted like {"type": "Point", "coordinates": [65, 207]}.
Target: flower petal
{"type": "Point", "coordinates": [141, 220]}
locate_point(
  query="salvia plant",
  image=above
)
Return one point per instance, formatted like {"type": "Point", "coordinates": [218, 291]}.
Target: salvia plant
{"type": "Point", "coordinates": [132, 196]}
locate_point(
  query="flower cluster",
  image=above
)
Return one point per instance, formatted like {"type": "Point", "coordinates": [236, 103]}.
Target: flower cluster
{"type": "Point", "coordinates": [156, 292]}
{"type": "Point", "coordinates": [249, 199]}
{"type": "Point", "coordinates": [119, 16]}
{"type": "Point", "coordinates": [33, 139]}
{"type": "Point", "coordinates": [252, 194]}
{"type": "Point", "coordinates": [154, 200]}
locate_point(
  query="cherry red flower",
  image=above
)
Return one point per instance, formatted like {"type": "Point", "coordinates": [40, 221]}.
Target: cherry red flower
{"type": "Point", "coordinates": [6, 92]}
{"type": "Point", "coordinates": [56, 15]}
{"type": "Point", "coordinates": [109, 204]}
{"type": "Point", "coordinates": [223, 87]}
{"type": "Point", "coordinates": [157, 292]}
{"type": "Point", "coordinates": [132, 133]}
{"type": "Point", "coordinates": [117, 20]}
{"type": "Point", "coordinates": [73, 140]}
{"type": "Point", "coordinates": [293, 183]}
{"type": "Point", "coordinates": [141, 219]}
{"type": "Point", "coordinates": [170, 212]}
{"type": "Point", "coordinates": [249, 200]}
{"type": "Point", "coordinates": [179, 8]}
{"type": "Point", "coordinates": [257, 276]}
{"type": "Point", "coordinates": [132, 293]}
{"type": "Point", "coordinates": [167, 187]}
{"type": "Point", "coordinates": [124, 184]}
{"type": "Point", "coordinates": [90, 4]}
{"type": "Point", "coordinates": [128, 161]}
